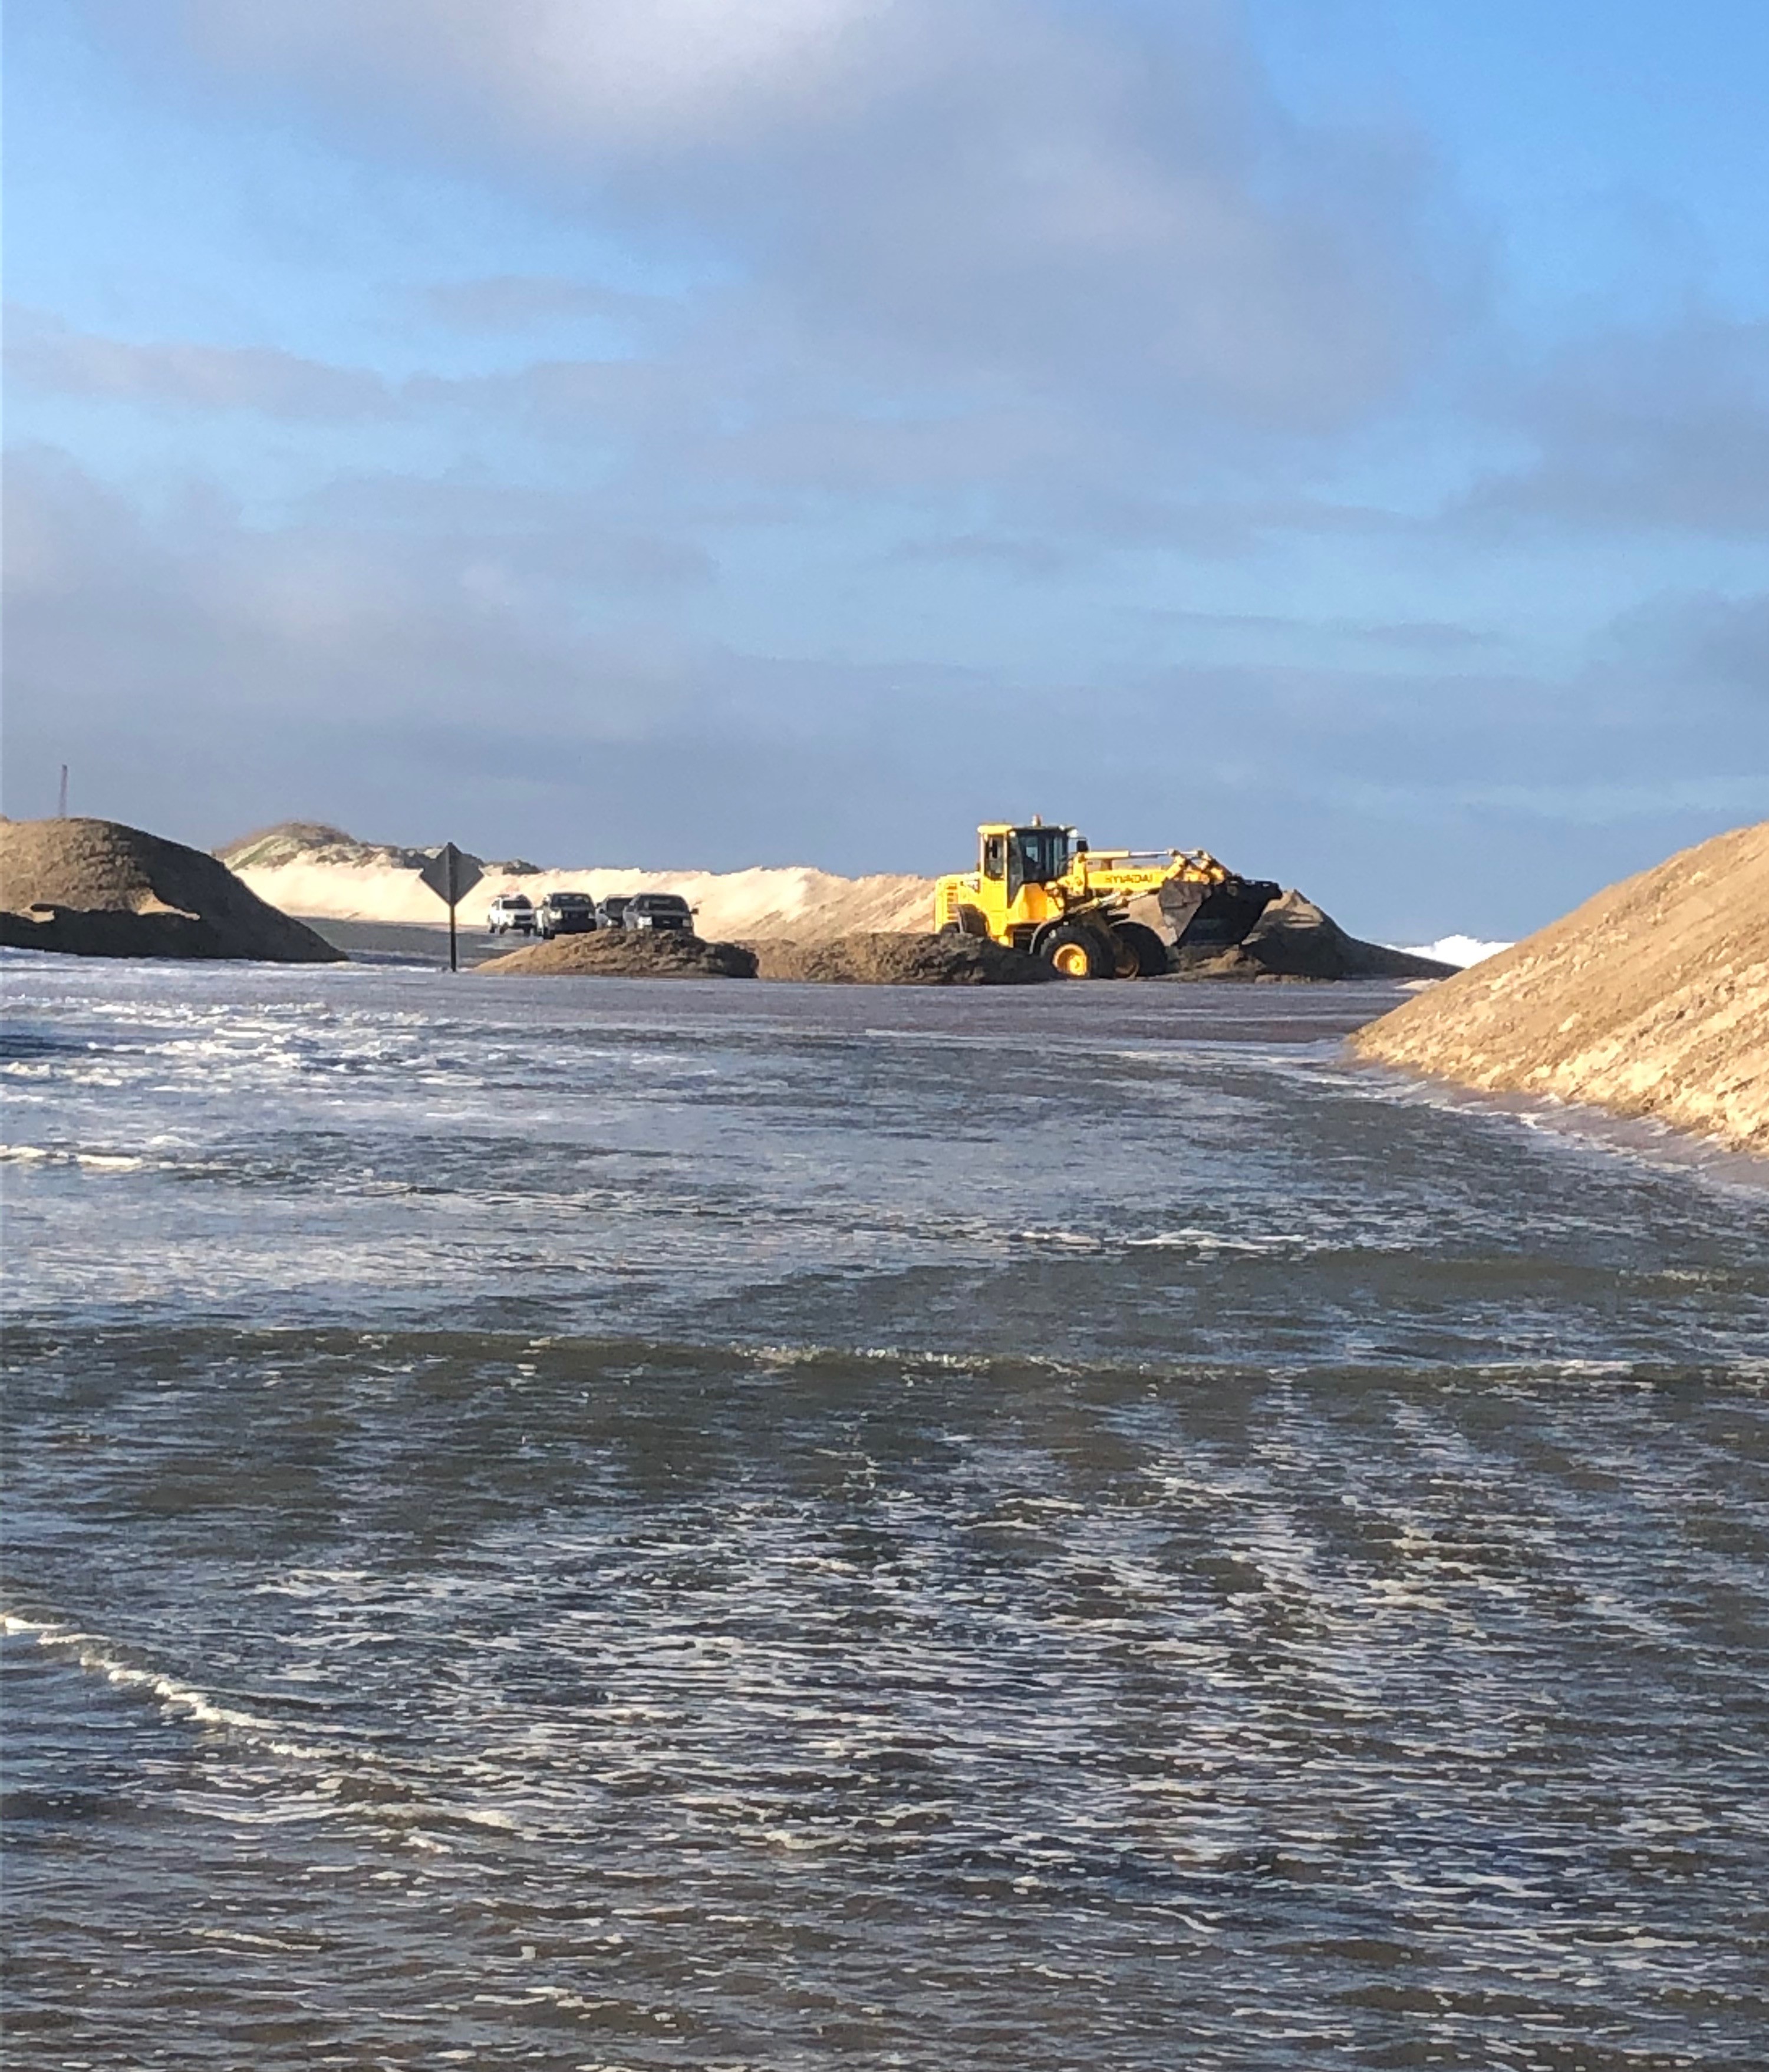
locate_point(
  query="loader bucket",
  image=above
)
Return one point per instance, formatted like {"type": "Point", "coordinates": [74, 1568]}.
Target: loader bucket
{"type": "Point", "coordinates": [1214, 917]}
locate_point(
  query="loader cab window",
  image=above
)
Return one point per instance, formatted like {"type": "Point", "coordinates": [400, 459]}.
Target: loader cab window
{"type": "Point", "coordinates": [1043, 854]}
{"type": "Point", "coordinates": [995, 856]}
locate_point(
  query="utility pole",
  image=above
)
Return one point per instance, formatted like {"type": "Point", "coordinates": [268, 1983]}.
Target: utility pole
{"type": "Point", "coordinates": [61, 808]}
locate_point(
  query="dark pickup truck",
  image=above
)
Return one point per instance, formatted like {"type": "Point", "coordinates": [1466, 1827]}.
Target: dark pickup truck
{"type": "Point", "coordinates": [658, 910]}
{"type": "Point", "coordinates": [566, 914]}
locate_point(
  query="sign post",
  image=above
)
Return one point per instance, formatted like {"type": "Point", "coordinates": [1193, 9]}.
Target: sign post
{"type": "Point", "coordinates": [451, 875]}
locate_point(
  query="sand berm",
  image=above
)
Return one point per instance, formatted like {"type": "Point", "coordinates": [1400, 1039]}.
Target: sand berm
{"type": "Point", "coordinates": [1651, 1000]}
{"type": "Point", "coordinates": [97, 889]}
{"type": "Point", "coordinates": [878, 959]}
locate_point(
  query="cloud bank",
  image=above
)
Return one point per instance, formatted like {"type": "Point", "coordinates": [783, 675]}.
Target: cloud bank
{"type": "Point", "coordinates": [792, 429]}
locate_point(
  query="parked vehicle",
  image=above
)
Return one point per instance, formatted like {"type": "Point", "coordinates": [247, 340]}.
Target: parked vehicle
{"type": "Point", "coordinates": [565, 914]}
{"type": "Point", "coordinates": [513, 912]}
{"type": "Point", "coordinates": [658, 910]}
{"type": "Point", "coordinates": [609, 911]}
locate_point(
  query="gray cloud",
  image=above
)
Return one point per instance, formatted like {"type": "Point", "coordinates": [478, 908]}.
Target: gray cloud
{"type": "Point", "coordinates": [517, 302]}
{"type": "Point", "coordinates": [1100, 204]}
{"type": "Point", "coordinates": [624, 81]}
{"type": "Point", "coordinates": [419, 678]}
{"type": "Point", "coordinates": [575, 541]}
{"type": "Point", "coordinates": [1701, 656]}
{"type": "Point", "coordinates": [44, 354]}
{"type": "Point", "coordinates": [984, 289]}
{"type": "Point", "coordinates": [1663, 430]}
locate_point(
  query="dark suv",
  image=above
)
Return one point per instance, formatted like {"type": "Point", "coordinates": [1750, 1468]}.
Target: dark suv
{"type": "Point", "coordinates": [566, 914]}
{"type": "Point", "coordinates": [658, 910]}
{"type": "Point", "coordinates": [609, 911]}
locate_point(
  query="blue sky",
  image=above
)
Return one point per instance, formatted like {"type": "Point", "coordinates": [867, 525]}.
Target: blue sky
{"type": "Point", "coordinates": [713, 431]}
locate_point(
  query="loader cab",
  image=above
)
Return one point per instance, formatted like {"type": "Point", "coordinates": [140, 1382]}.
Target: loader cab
{"type": "Point", "coordinates": [1019, 857]}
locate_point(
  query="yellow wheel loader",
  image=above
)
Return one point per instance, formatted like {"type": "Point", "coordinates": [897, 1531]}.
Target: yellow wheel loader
{"type": "Point", "coordinates": [1096, 913]}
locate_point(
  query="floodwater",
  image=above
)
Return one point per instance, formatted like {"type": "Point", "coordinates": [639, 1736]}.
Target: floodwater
{"type": "Point", "coordinates": [613, 1524]}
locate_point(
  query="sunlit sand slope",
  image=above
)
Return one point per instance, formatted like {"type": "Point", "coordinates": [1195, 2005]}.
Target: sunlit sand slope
{"type": "Point", "coordinates": [1651, 1000]}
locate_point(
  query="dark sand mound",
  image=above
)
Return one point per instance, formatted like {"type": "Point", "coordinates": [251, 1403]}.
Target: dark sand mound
{"type": "Point", "coordinates": [96, 889]}
{"type": "Point", "coordinates": [614, 953]}
{"type": "Point", "coordinates": [869, 959]}
{"type": "Point", "coordinates": [899, 960]}
{"type": "Point", "coordinates": [1294, 938]}
{"type": "Point", "coordinates": [1652, 999]}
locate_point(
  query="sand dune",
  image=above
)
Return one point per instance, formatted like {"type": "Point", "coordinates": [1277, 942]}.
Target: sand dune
{"type": "Point", "coordinates": [326, 875]}
{"type": "Point", "coordinates": [1651, 1000]}
{"type": "Point", "coordinates": [96, 889]}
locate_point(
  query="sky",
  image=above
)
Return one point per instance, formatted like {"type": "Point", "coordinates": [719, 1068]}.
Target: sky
{"type": "Point", "coordinates": [705, 433]}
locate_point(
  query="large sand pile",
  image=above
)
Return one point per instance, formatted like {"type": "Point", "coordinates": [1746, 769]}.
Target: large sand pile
{"type": "Point", "coordinates": [96, 889]}
{"type": "Point", "coordinates": [1295, 939]}
{"type": "Point", "coordinates": [900, 959]}
{"type": "Point", "coordinates": [1651, 999]}
{"type": "Point", "coordinates": [321, 872]}
{"type": "Point", "coordinates": [622, 953]}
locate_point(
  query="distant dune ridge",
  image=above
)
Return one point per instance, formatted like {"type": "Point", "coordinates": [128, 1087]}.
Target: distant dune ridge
{"type": "Point", "coordinates": [97, 889]}
{"type": "Point", "coordinates": [305, 867]}
{"type": "Point", "coordinates": [1652, 999]}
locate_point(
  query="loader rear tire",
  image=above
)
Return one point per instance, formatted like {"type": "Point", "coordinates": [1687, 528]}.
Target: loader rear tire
{"type": "Point", "coordinates": [1073, 952]}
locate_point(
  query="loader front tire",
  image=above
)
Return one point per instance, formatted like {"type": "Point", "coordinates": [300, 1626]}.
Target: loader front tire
{"type": "Point", "coordinates": [1073, 952]}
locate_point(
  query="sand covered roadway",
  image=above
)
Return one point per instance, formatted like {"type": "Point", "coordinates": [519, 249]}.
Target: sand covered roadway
{"type": "Point", "coordinates": [95, 888]}
{"type": "Point", "coordinates": [1651, 999]}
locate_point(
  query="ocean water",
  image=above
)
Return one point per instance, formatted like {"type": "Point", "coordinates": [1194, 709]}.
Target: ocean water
{"type": "Point", "coordinates": [624, 1525]}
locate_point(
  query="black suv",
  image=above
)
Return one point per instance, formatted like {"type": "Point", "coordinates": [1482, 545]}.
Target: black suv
{"type": "Point", "coordinates": [658, 910]}
{"type": "Point", "coordinates": [566, 914]}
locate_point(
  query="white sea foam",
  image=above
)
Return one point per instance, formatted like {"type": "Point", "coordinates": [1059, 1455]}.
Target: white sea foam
{"type": "Point", "coordinates": [1461, 950]}
{"type": "Point", "coordinates": [91, 1652]}
{"type": "Point", "coordinates": [91, 1162]}
{"type": "Point", "coordinates": [1203, 1240]}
